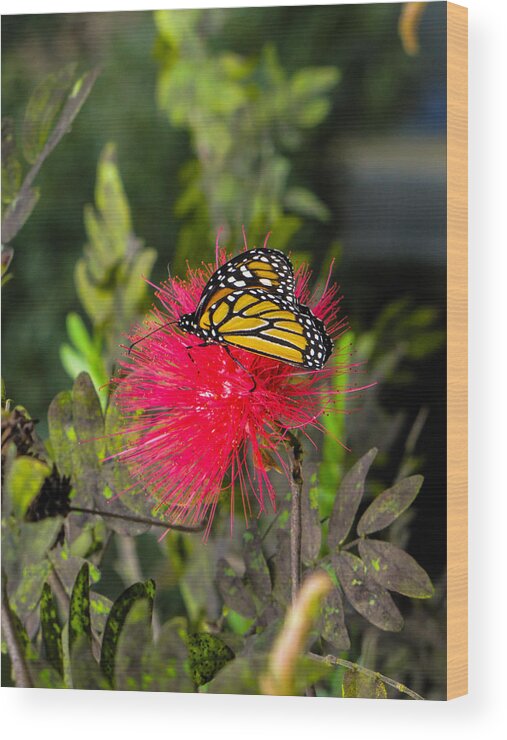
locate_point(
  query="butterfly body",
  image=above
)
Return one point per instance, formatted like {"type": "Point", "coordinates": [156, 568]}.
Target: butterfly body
{"type": "Point", "coordinates": [250, 303]}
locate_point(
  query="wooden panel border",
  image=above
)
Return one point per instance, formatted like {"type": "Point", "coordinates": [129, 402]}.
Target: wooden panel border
{"type": "Point", "coordinates": [457, 355]}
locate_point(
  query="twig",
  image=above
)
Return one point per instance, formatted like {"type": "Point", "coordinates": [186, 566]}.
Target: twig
{"type": "Point", "coordinates": [332, 660]}
{"type": "Point", "coordinates": [20, 670]}
{"type": "Point", "coordinates": [140, 519]}
{"type": "Point", "coordinates": [296, 487]}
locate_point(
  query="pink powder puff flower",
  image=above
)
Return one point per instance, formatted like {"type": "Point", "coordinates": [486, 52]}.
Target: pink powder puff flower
{"type": "Point", "coordinates": [195, 420]}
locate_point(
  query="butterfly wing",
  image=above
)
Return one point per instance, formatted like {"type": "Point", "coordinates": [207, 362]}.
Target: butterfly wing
{"type": "Point", "coordinates": [267, 270]}
{"type": "Point", "coordinates": [268, 325]}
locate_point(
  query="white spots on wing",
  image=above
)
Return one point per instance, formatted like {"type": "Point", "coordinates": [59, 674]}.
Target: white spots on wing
{"type": "Point", "coordinates": [265, 281]}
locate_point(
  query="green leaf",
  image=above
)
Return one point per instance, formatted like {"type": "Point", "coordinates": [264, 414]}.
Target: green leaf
{"type": "Point", "coordinates": [42, 109]}
{"type": "Point", "coordinates": [311, 114]}
{"type": "Point", "coordinates": [257, 571]}
{"type": "Point", "coordinates": [367, 597]}
{"type": "Point", "coordinates": [79, 608]}
{"type": "Point", "coordinates": [332, 621]}
{"type": "Point", "coordinates": [19, 209]}
{"type": "Point", "coordinates": [78, 334]}
{"type": "Point", "coordinates": [88, 421]}
{"type": "Point", "coordinates": [359, 685]}
{"type": "Point", "coordinates": [116, 620]}
{"type": "Point", "coordinates": [239, 676]}
{"type": "Point", "coordinates": [166, 663]}
{"type": "Point", "coordinates": [73, 362]}
{"type": "Point", "coordinates": [308, 672]}
{"type": "Point", "coordinates": [51, 629]}
{"type": "Point", "coordinates": [11, 166]}
{"type": "Point", "coordinates": [234, 592]}
{"type": "Point", "coordinates": [62, 434]}
{"type": "Point", "coordinates": [306, 203]}
{"type": "Point", "coordinates": [98, 302]}
{"type": "Point", "coordinates": [85, 670]}
{"type": "Point", "coordinates": [395, 569]}
{"type": "Point", "coordinates": [313, 81]}
{"type": "Point", "coordinates": [134, 640]}
{"type": "Point", "coordinates": [112, 201]}
{"type": "Point", "coordinates": [134, 292]}
{"type": "Point", "coordinates": [388, 506]}
{"type": "Point", "coordinates": [24, 481]}
{"type": "Point", "coordinates": [208, 654]}
{"type": "Point", "coordinates": [348, 499]}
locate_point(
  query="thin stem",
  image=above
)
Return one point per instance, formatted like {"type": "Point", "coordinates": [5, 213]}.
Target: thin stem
{"type": "Point", "coordinates": [296, 487]}
{"type": "Point", "coordinates": [20, 670]}
{"type": "Point", "coordinates": [140, 519]}
{"type": "Point", "coordinates": [296, 525]}
{"type": "Point", "coordinates": [332, 660]}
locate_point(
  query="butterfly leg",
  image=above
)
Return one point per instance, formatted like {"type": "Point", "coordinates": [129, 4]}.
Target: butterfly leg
{"type": "Point", "coordinates": [235, 359]}
{"type": "Point", "coordinates": [189, 349]}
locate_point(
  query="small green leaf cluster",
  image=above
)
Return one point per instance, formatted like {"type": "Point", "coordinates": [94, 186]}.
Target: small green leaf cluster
{"type": "Point", "coordinates": [110, 279]}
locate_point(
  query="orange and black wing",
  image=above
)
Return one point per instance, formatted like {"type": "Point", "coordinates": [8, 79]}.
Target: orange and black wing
{"type": "Point", "coordinates": [268, 325]}
{"type": "Point", "coordinates": [267, 270]}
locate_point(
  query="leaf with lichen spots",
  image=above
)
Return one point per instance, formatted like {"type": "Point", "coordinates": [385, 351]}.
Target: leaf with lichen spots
{"type": "Point", "coordinates": [358, 685]}
{"type": "Point", "coordinates": [135, 637]}
{"type": "Point", "coordinates": [68, 566]}
{"type": "Point", "coordinates": [89, 428]}
{"type": "Point", "coordinates": [100, 606]}
{"type": "Point", "coordinates": [166, 664]}
{"type": "Point", "coordinates": [311, 536]}
{"type": "Point", "coordinates": [208, 654]}
{"type": "Point", "coordinates": [395, 569]}
{"type": "Point", "coordinates": [331, 624]}
{"type": "Point", "coordinates": [51, 629]}
{"type": "Point", "coordinates": [257, 571]}
{"type": "Point", "coordinates": [41, 674]}
{"type": "Point", "coordinates": [79, 608]}
{"type": "Point", "coordinates": [348, 499]}
{"type": "Point", "coordinates": [234, 592]}
{"type": "Point", "coordinates": [281, 569]}
{"type": "Point", "coordinates": [367, 597]}
{"type": "Point", "coordinates": [389, 504]}
{"type": "Point", "coordinates": [62, 434]}
{"type": "Point", "coordinates": [116, 620]}
{"type": "Point", "coordinates": [86, 672]}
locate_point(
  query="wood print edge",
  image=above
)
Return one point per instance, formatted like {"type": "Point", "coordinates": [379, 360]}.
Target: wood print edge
{"type": "Point", "coordinates": [457, 355]}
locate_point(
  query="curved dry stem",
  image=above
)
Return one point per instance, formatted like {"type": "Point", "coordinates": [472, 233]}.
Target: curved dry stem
{"type": "Point", "coordinates": [332, 660]}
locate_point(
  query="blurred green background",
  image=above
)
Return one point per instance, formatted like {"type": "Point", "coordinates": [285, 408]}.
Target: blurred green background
{"type": "Point", "coordinates": [312, 122]}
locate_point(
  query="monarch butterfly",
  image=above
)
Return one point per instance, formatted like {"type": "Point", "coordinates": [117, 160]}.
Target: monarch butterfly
{"type": "Point", "coordinates": [250, 303]}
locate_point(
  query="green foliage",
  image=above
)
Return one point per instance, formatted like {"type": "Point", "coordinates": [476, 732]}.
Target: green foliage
{"type": "Point", "coordinates": [109, 279]}
{"type": "Point", "coordinates": [244, 116]}
{"type": "Point", "coordinates": [59, 98]}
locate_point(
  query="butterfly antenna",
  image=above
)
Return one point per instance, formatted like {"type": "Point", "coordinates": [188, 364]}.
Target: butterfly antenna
{"type": "Point", "coordinates": [169, 270]}
{"type": "Point", "coordinates": [145, 336]}
{"type": "Point", "coordinates": [266, 239]}
{"type": "Point", "coordinates": [243, 231]}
